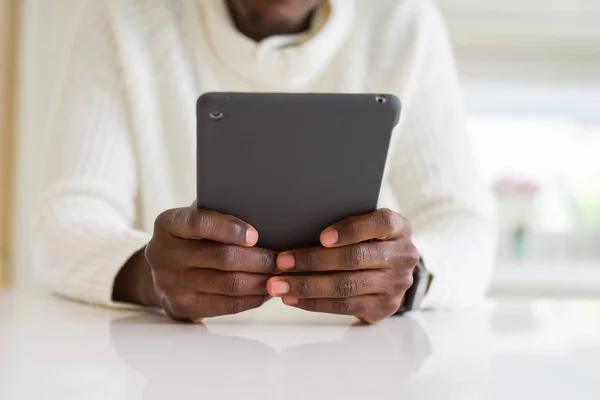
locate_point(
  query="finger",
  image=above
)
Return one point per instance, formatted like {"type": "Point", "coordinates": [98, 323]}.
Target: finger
{"type": "Point", "coordinates": [332, 286]}
{"type": "Point", "coordinates": [224, 257]}
{"type": "Point", "coordinates": [227, 283]}
{"type": "Point", "coordinates": [372, 255]}
{"type": "Point", "coordinates": [193, 223]}
{"type": "Point", "coordinates": [368, 307]}
{"type": "Point", "coordinates": [193, 306]}
{"type": "Point", "coordinates": [382, 224]}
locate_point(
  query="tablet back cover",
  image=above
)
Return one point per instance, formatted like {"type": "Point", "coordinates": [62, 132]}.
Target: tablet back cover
{"type": "Point", "coordinates": [292, 164]}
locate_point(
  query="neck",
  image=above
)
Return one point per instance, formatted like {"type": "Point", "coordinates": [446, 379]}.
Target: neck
{"type": "Point", "coordinates": [250, 26]}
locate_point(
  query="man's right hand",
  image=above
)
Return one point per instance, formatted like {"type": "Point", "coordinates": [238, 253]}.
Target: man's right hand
{"type": "Point", "coordinates": [198, 264]}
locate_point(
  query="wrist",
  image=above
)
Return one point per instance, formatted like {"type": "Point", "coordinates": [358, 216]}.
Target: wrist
{"type": "Point", "coordinates": [134, 283]}
{"type": "Point", "coordinates": [414, 296]}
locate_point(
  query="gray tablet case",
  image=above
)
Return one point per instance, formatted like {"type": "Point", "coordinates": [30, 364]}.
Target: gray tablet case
{"type": "Point", "coordinates": [292, 164]}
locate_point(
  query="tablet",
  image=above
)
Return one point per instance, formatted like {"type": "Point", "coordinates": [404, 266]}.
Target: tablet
{"type": "Point", "coordinates": [292, 164]}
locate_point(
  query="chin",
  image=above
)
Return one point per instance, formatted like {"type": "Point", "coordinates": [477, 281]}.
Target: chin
{"type": "Point", "coordinates": [271, 23]}
{"type": "Point", "coordinates": [275, 15]}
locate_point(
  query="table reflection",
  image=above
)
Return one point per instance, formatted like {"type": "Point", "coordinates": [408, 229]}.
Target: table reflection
{"type": "Point", "coordinates": [381, 361]}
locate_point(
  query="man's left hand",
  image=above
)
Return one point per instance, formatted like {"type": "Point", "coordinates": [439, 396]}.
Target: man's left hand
{"type": "Point", "coordinates": [363, 269]}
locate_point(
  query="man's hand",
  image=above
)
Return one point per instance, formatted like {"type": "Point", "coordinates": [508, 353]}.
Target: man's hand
{"type": "Point", "coordinates": [198, 264]}
{"type": "Point", "coordinates": [368, 260]}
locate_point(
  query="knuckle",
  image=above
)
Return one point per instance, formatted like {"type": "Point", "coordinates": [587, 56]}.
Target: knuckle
{"type": "Point", "coordinates": [185, 217]}
{"type": "Point", "coordinates": [213, 279]}
{"type": "Point", "coordinates": [200, 222]}
{"type": "Point", "coordinates": [162, 220]}
{"type": "Point", "coordinates": [229, 257]}
{"type": "Point", "coordinates": [197, 299]}
{"type": "Point", "coordinates": [234, 283]}
{"type": "Point", "coordinates": [180, 217]}
{"type": "Point", "coordinates": [160, 257]}
{"type": "Point", "coordinates": [235, 305]}
{"type": "Point", "coordinates": [388, 253]}
{"type": "Point", "coordinates": [357, 255]}
{"type": "Point", "coordinates": [412, 254]}
{"type": "Point", "coordinates": [306, 288]}
{"type": "Point", "coordinates": [392, 305]}
{"type": "Point", "coordinates": [267, 261]}
{"type": "Point", "coordinates": [309, 259]}
{"type": "Point", "coordinates": [383, 305]}
{"type": "Point", "coordinates": [179, 305]}
{"type": "Point", "coordinates": [345, 286]}
{"type": "Point", "coordinates": [405, 281]}
{"type": "Point", "coordinates": [343, 306]}
{"type": "Point", "coordinates": [370, 281]}
{"type": "Point", "coordinates": [388, 219]}
{"type": "Point", "coordinates": [310, 304]}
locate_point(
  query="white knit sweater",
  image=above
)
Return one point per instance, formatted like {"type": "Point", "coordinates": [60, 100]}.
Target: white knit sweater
{"type": "Point", "coordinates": [123, 142]}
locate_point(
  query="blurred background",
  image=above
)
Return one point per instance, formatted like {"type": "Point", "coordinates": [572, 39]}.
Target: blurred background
{"type": "Point", "coordinates": [531, 80]}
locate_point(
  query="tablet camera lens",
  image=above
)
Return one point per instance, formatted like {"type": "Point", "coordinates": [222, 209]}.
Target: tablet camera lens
{"type": "Point", "coordinates": [380, 99]}
{"type": "Point", "coordinates": [216, 115]}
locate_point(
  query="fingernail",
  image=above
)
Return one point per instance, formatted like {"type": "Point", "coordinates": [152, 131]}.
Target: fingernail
{"type": "Point", "coordinates": [251, 236]}
{"type": "Point", "coordinates": [279, 287]}
{"type": "Point", "coordinates": [329, 237]}
{"type": "Point", "coordinates": [197, 320]}
{"type": "Point", "coordinates": [290, 301]}
{"type": "Point", "coordinates": [285, 261]}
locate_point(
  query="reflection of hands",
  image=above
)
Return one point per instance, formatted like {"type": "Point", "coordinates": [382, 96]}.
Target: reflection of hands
{"type": "Point", "coordinates": [370, 362]}
{"type": "Point", "coordinates": [367, 361]}
{"type": "Point", "coordinates": [212, 367]}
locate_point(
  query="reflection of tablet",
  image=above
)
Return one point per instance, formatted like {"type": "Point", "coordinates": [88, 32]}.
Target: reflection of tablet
{"type": "Point", "coordinates": [292, 164]}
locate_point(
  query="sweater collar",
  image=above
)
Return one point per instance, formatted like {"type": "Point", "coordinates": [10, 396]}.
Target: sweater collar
{"type": "Point", "coordinates": [282, 62]}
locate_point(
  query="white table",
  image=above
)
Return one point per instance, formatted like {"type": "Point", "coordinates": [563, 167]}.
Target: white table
{"type": "Point", "coordinates": [508, 349]}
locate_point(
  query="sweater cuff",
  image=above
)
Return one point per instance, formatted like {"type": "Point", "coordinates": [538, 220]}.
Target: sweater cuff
{"type": "Point", "coordinates": [102, 283]}
{"type": "Point", "coordinates": [460, 258]}
{"type": "Point", "coordinates": [94, 283]}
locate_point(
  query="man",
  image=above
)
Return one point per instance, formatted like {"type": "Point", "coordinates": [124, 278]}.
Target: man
{"type": "Point", "coordinates": [115, 230]}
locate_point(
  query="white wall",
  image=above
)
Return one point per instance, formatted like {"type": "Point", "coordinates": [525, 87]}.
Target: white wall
{"type": "Point", "coordinates": [7, 63]}
{"type": "Point", "coordinates": [552, 27]}
{"type": "Point", "coordinates": [47, 29]}
{"type": "Point", "coordinates": [526, 40]}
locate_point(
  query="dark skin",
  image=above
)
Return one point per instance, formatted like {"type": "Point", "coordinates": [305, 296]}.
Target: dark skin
{"type": "Point", "coordinates": [201, 264]}
{"type": "Point", "coordinates": [259, 19]}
